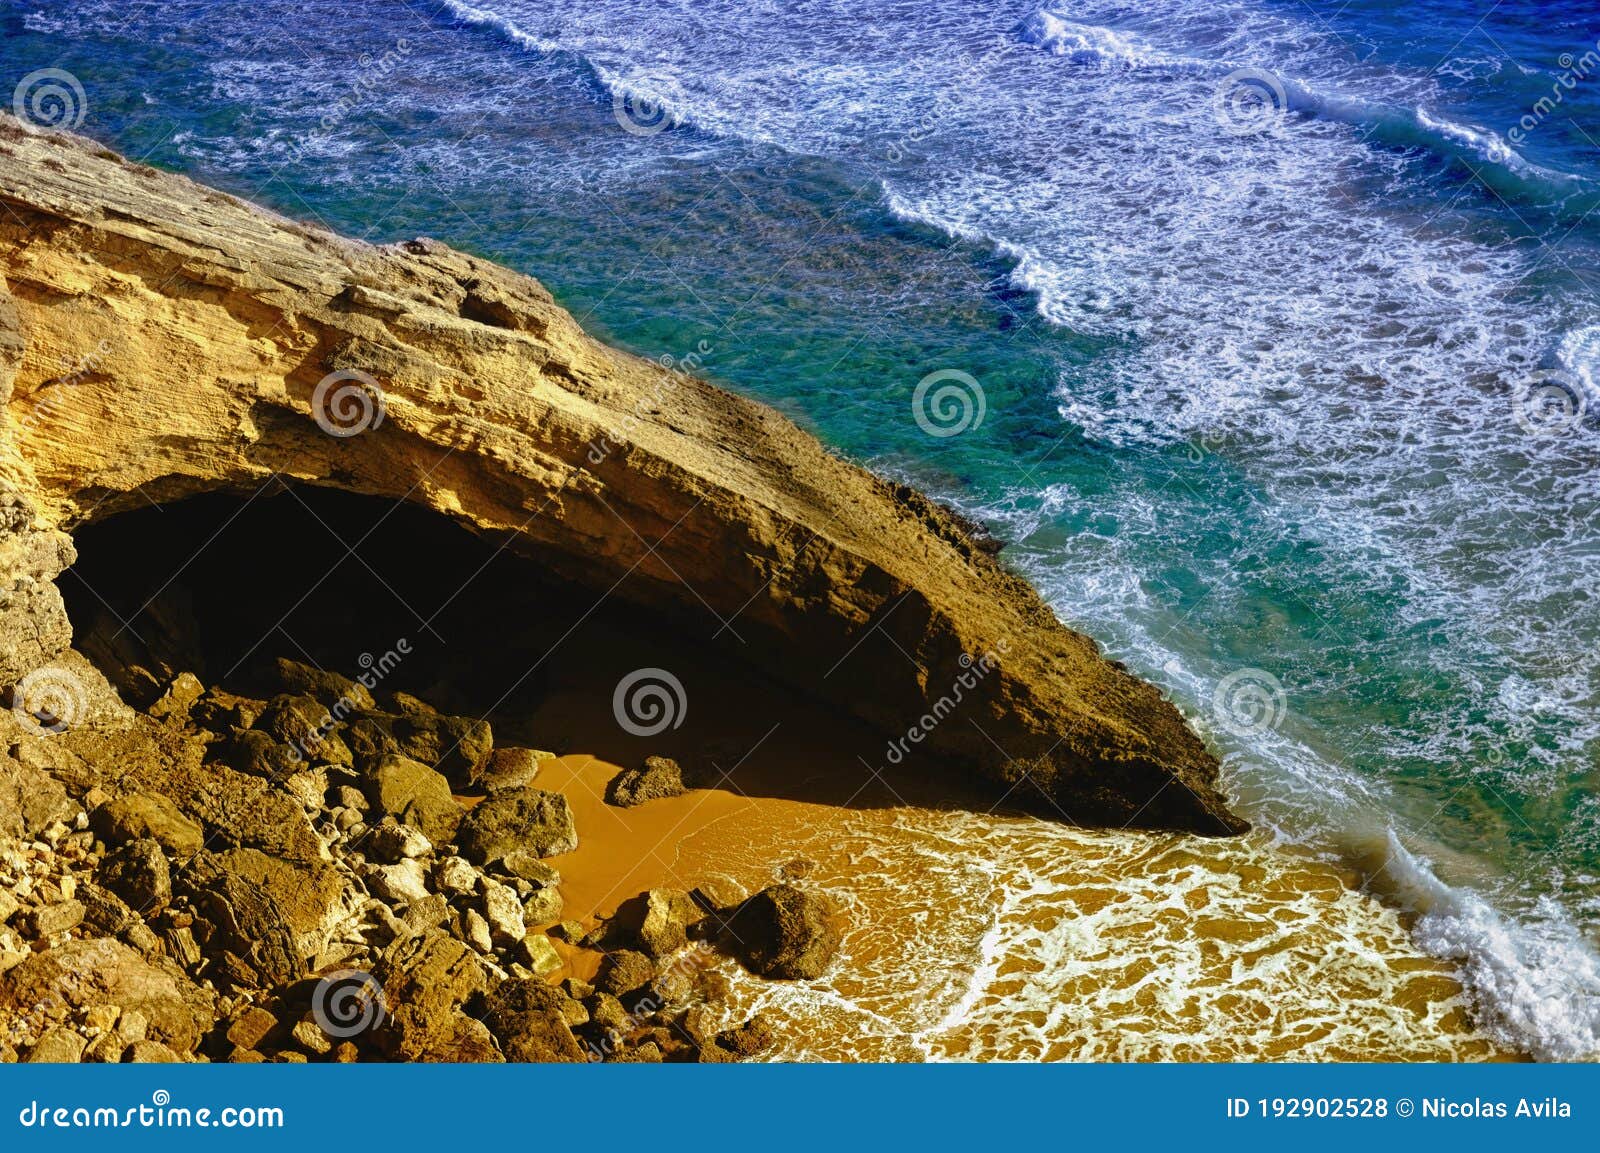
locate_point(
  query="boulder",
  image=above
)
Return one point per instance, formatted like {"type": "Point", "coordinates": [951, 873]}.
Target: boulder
{"type": "Point", "coordinates": [139, 815]}
{"type": "Point", "coordinates": [334, 692]}
{"type": "Point", "coordinates": [416, 795]}
{"type": "Point", "coordinates": [656, 921]}
{"type": "Point", "coordinates": [624, 972]}
{"type": "Point", "coordinates": [81, 974]}
{"type": "Point", "coordinates": [783, 932]}
{"type": "Point", "coordinates": [458, 747]}
{"type": "Point", "coordinates": [658, 777]}
{"type": "Point", "coordinates": [511, 769]}
{"type": "Point", "coordinates": [502, 909]}
{"type": "Point", "coordinates": [30, 798]}
{"type": "Point", "coordinates": [529, 819]}
{"type": "Point", "coordinates": [427, 977]}
{"type": "Point", "coordinates": [244, 928]}
{"type": "Point", "coordinates": [529, 1019]}
{"type": "Point", "coordinates": [138, 873]}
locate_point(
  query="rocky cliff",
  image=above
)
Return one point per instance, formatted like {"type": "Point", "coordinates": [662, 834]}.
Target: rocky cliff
{"type": "Point", "coordinates": [159, 340]}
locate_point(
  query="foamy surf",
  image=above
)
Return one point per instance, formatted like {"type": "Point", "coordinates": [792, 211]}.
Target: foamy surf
{"type": "Point", "coordinates": [975, 937]}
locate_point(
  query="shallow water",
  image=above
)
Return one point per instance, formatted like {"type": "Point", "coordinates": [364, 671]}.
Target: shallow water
{"type": "Point", "coordinates": [1281, 402]}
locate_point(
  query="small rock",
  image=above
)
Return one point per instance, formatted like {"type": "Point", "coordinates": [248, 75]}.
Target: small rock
{"type": "Point", "coordinates": [659, 777]}
{"type": "Point", "coordinates": [393, 843]}
{"type": "Point", "coordinates": [624, 971]}
{"type": "Point", "coordinates": [101, 1018]}
{"type": "Point", "coordinates": [310, 1037]}
{"type": "Point", "coordinates": [657, 920]}
{"type": "Point", "coordinates": [138, 873]}
{"type": "Point", "coordinates": [475, 931]}
{"type": "Point", "coordinates": [349, 797]}
{"type": "Point", "coordinates": [542, 907]}
{"type": "Point", "coordinates": [541, 954]}
{"type": "Point", "coordinates": [401, 883]}
{"type": "Point", "coordinates": [571, 932]}
{"type": "Point", "coordinates": [150, 1053]}
{"type": "Point", "coordinates": [503, 910]}
{"type": "Point", "coordinates": [528, 867]}
{"type": "Point", "coordinates": [456, 876]}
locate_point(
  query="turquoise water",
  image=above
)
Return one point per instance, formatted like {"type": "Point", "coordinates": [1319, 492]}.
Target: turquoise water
{"type": "Point", "coordinates": [1285, 376]}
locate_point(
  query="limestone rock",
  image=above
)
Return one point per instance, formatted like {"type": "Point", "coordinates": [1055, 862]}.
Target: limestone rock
{"type": "Point", "coordinates": [825, 567]}
{"type": "Point", "coordinates": [138, 873]}
{"type": "Point", "coordinates": [416, 795]}
{"type": "Point", "coordinates": [623, 972]}
{"type": "Point", "coordinates": [529, 1019]}
{"type": "Point", "coordinates": [83, 973]}
{"type": "Point", "coordinates": [529, 819]}
{"type": "Point", "coordinates": [456, 747]}
{"type": "Point", "coordinates": [329, 688]}
{"type": "Point", "coordinates": [511, 769]}
{"type": "Point", "coordinates": [141, 815]}
{"type": "Point", "coordinates": [656, 921]}
{"type": "Point", "coordinates": [783, 932]}
{"type": "Point", "coordinates": [658, 777]}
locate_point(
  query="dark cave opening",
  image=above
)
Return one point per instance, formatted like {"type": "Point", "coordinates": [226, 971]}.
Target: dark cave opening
{"type": "Point", "coordinates": [220, 585]}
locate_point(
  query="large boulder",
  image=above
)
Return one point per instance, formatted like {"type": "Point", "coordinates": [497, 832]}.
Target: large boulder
{"type": "Point", "coordinates": [527, 819]}
{"type": "Point", "coordinates": [656, 921]}
{"type": "Point", "coordinates": [241, 924]}
{"type": "Point", "coordinates": [783, 932]}
{"type": "Point", "coordinates": [82, 974]}
{"type": "Point", "coordinates": [427, 978]}
{"type": "Point", "coordinates": [152, 815]}
{"type": "Point", "coordinates": [416, 795]}
{"type": "Point", "coordinates": [658, 777]}
{"type": "Point", "coordinates": [529, 1019]}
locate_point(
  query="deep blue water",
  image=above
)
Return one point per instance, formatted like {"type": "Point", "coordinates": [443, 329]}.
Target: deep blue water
{"type": "Point", "coordinates": [1282, 313]}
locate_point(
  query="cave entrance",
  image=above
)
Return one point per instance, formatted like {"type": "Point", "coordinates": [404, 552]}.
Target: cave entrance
{"type": "Point", "coordinates": [222, 585]}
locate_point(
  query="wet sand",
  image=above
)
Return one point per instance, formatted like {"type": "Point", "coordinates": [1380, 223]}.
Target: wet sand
{"type": "Point", "coordinates": [979, 935]}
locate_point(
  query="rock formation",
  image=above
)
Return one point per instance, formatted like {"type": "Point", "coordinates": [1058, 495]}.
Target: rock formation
{"type": "Point", "coordinates": [159, 339]}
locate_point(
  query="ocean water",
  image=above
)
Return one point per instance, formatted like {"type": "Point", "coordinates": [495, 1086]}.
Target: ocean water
{"type": "Point", "coordinates": [1269, 333]}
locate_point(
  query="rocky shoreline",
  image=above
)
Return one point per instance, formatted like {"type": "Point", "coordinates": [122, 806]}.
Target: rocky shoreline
{"type": "Point", "coordinates": [372, 908]}
{"type": "Point", "coordinates": [210, 858]}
